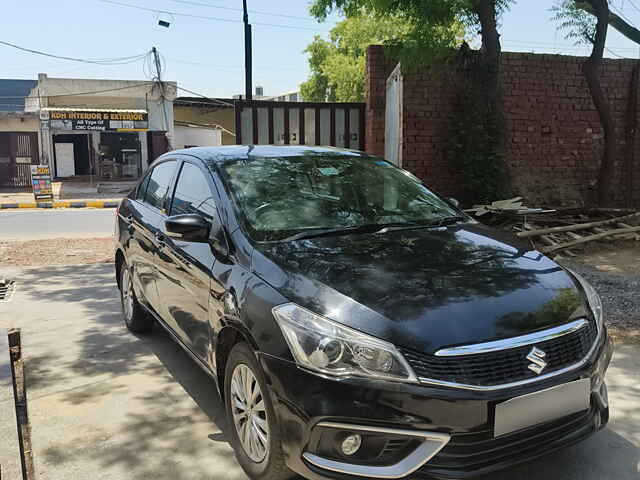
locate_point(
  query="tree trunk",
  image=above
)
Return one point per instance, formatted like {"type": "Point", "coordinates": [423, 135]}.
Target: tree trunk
{"type": "Point", "coordinates": [491, 50]}
{"type": "Point", "coordinates": [591, 70]}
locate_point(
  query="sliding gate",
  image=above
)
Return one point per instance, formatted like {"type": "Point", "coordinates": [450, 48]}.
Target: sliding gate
{"type": "Point", "coordinates": [261, 122]}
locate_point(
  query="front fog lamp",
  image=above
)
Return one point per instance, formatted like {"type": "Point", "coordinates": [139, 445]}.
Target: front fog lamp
{"type": "Point", "coordinates": [351, 444]}
{"type": "Point", "coordinates": [327, 347]}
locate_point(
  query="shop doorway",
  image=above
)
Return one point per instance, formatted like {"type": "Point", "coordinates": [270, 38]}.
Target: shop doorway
{"type": "Point", "coordinates": [119, 156]}
{"type": "Point", "coordinates": [71, 155]}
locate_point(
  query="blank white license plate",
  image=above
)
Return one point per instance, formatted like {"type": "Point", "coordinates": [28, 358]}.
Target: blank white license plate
{"type": "Point", "coordinates": [543, 406]}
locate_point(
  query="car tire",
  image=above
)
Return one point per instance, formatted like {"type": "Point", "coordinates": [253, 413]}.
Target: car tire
{"type": "Point", "coordinates": [260, 417]}
{"type": "Point", "coordinates": [136, 318]}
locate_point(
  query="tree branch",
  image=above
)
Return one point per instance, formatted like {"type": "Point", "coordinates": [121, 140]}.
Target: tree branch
{"type": "Point", "coordinates": [617, 22]}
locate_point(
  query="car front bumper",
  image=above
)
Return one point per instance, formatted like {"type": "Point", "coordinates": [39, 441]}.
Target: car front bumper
{"type": "Point", "coordinates": [448, 432]}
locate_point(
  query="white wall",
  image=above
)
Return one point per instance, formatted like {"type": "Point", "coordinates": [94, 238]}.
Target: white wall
{"type": "Point", "coordinates": [194, 136]}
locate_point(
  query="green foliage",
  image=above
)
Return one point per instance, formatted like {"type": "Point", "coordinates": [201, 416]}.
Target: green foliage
{"type": "Point", "coordinates": [477, 131]}
{"type": "Point", "coordinates": [580, 26]}
{"type": "Point", "coordinates": [338, 64]}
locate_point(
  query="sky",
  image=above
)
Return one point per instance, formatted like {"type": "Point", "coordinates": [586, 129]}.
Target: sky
{"type": "Point", "coordinates": [206, 55]}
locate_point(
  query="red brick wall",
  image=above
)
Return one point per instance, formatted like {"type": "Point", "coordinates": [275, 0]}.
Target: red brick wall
{"type": "Point", "coordinates": [554, 139]}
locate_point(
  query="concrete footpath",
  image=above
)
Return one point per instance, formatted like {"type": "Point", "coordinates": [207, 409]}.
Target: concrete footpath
{"type": "Point", "coordinates": [105, 404]}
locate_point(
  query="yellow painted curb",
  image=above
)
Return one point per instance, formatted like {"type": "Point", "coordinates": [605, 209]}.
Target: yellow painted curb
{"type": "Point", "coordinates": [95, 204]}
{"type": "Point", "coordinates": [28, 205]}
{"type": "Point", "coordinates": [61, 204]}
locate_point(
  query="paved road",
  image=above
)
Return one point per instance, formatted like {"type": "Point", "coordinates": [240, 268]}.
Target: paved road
{"type": "Point", "coordinates": [107, 405]}
{"type": "Point", "coordinates": [68, 223]}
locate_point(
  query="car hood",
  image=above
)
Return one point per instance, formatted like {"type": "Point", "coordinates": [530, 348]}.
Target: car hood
{"type": "Point", "coordinates": [424, 289]}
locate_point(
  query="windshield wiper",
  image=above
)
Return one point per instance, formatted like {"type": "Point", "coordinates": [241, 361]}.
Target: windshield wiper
{"type": "Point", "coordinates": [366, 228]}
{"type": "Point", "coordinates": [444, 221]}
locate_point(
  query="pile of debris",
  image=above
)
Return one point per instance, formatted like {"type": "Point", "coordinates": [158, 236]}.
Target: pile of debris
{"type": "Point", "coordinates": [552, 231]}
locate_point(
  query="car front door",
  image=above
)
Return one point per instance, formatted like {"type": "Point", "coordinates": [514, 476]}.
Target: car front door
{"type": "Point", "coordinates": [146, 222]}
{"type": "Point", "coordinates": [184, 286]}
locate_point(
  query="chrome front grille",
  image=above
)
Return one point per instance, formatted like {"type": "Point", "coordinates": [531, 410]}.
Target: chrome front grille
{"type": "Point", "coordinates": [503, 366]}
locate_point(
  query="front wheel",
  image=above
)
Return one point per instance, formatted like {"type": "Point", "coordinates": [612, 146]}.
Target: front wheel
{"type": "Point", "coordinates": [255, 434]}
{"type": "Point", "coordinates": [135, 317]}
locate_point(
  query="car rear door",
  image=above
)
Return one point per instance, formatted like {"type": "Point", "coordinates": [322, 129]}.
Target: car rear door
{"type": "Point", "coordinates": [146, 226]}
{"type": "Point", "coordinates": [184, 285]}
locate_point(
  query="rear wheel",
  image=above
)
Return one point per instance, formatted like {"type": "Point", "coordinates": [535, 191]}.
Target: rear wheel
{"type": "Point", "coordinates": [255, 433]}
{"type": "Point", "coordinates": [135, 317]}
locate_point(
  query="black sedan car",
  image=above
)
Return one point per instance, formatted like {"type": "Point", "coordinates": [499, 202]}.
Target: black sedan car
{"type": "Point", "coordinates": [357, 325]}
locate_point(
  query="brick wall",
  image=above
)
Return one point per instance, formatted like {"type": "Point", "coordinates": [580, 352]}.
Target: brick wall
{"type": "Point", "coordinates": [554, 139]}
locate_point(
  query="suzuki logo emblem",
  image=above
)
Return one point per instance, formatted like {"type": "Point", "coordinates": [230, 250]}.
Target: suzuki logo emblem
{"type": "Point", "coordinates": [536, 357]}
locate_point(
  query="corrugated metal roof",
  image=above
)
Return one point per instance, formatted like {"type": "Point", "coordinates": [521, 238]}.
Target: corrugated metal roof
{"type": "Point", "coordinates": [70, 109]}
{"type": "Point", "coordinates": [13, 93]}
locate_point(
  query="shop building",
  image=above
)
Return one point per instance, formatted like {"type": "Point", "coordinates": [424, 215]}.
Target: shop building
{"type": "Point", "coordinates": [104, 129]}
{"type": "Point", "coordinates": [19, 134]}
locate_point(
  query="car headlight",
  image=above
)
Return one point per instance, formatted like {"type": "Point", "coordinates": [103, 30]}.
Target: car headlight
{"type": "Point", "coordinates": [593, 299]}
{"type": "Point", "coordinates": [320, 344]}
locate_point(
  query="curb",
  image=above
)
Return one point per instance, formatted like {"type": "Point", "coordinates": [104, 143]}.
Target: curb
{"type": "Point", "coordinates": [62, 204]}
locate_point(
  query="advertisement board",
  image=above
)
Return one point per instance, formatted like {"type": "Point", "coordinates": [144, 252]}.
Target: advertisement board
{"type": "Point", "coordinates": [41, 182]}
{"type": "Point", "coordinates": [97, 121]}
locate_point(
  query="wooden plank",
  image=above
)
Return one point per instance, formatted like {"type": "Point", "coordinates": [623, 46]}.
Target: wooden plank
{"type": "Point", "coordinates": [578, 226]}
{"type": "Point", "coordinates": [591, 238]}
{"type": "Point", "coordinates": [10, 465]}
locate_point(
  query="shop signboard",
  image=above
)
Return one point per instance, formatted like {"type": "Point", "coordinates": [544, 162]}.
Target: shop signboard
{"type": "Point", "coordinates": [98, 121]}
{"type": "Point", "coordinates": [41, 182]}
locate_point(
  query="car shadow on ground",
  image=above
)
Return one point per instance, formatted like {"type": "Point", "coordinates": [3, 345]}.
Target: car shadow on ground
{"type": "Point", "coordinates": [100, 362]}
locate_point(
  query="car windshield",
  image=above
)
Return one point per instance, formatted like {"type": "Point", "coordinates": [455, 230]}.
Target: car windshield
{"type": "Point", "coordinates": [279, 197]}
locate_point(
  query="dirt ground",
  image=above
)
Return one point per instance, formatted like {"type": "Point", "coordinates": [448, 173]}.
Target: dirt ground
{"type": "Point", "coordinates": [613, 257]}
{"type": "Point", "coordinates": [59, 251]}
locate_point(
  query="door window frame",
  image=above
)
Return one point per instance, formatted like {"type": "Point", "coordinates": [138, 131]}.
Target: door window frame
{"type": "Point", "coordinates": [170, 188]}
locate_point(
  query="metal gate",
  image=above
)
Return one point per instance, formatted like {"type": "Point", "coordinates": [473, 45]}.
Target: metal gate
{"type": "Point", "coordinates": [261, 122]}
{"type": "Point", "coordinates": [393, 118]}
{"type": "Point", "coordinates": [18, 150]}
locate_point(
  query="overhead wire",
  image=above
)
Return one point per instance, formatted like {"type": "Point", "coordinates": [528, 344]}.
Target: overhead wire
{"type": "Point", "coordinates": [204, 17]}
{"type": "Point", "coordinates": [96, 61]}
{"type": "Point", "coordinates": [234, 9]}
{"type": "Point", "coordinates": [212, 100]}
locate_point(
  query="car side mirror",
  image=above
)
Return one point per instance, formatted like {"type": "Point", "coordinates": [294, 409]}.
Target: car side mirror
{"type": "Point", "coordinates": [454, 202]}
{"type": "Point", "coordinates": [189, 227]}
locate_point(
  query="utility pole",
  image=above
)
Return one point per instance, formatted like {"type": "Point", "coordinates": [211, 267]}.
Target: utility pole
{"type": "Point", "coordinates": [247, 52]}
{"type": "Point", "coordinates": [156, 61]}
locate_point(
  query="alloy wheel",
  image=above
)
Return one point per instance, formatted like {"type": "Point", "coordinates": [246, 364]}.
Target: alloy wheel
{"type": "Point", "coordinates": [249, 413]}
{"type": "Point", "coordinates": [127, 295]}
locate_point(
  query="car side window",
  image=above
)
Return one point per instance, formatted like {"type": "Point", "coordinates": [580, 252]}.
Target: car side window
{"type": "Point", "coordinates": [159, 183]}
{"type": "Point", "coordinates": [193, 194]}
{"type": "Point", "coordinates": [142, 188]}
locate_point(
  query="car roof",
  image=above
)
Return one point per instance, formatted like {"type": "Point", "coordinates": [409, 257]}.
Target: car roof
{"type": "Point", "coordinates": [240, 152]}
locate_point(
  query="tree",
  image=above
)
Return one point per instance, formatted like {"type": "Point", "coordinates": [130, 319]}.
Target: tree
{"type": "Point", "coordinates": [430, 39]}
{"type": "Point", "coordinates": [588, 21]}
{"type": "Point", "coordinates": [338, 64]}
